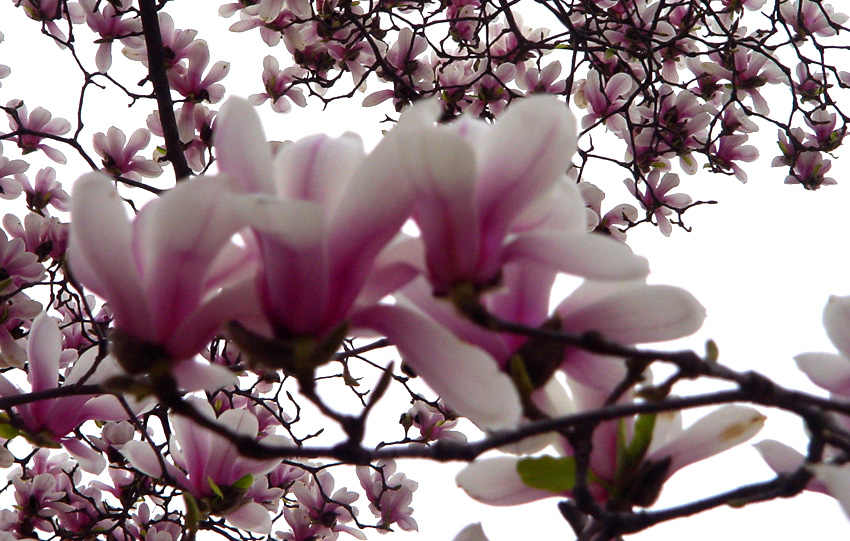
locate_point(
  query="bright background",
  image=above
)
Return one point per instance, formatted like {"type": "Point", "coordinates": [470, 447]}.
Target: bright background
{"type": "Point", "coordinates": [763, 261]}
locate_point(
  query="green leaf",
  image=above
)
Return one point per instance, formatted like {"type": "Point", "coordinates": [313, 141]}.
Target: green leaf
{"type": "Point", "coordinates": [244, 483]}
{"type": "Point", "coordinates": [644, 426]}
{"type": "Point", "coordinates": [214, 487]}
{"type": "Point", "coordinates": [712, 352]}
{"type": "Point", "coordinates": [548, 473]}
{"type": "Point", "coordinates": [193, 513]}
{"type": "Point", "coordinates": [8, 431]}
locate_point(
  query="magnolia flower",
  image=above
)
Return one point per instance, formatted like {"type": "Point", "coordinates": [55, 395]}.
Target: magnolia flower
{"type": "Point", "coordinates": [306, 207]}
{"type": "Point", "coordinates": [39, 123]}
{"type": "Point", "coordinates": [210, 467]}
{"type": "Point", "coordinates": [605, 103]}
{"type": "Point", "coordinates": [831, 370]}
{"type": "Point", "coordinates": [657, 200]}
{"type": "Point", "coordinates": [191, 83]}
{"type": "Point", "coordinates": [389, 494]}
{"type": "Point", "coordinates": [474, 182]}
{"type": "Point", "coordinates": [323, 267]}
{"type": "Point", "coordinates": [107, 22]}
{"type": "Point", "coordinates": [618, 472]}
{"type": "Point", "coordinates": [119, 155]}
{"type": "Point", "coordinates": [807, 17]}
{"type": "Point", "coordinates": [280, 87]}
{"type": "Point", "coordinates": [51, 420]}
{"type": "Point", "coordinates": [47, 191]}
{"type": "Point", "coordinates": [171, 277]}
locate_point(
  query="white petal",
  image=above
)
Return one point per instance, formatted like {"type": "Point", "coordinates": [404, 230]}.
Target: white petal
{"type": "Point", "coordinates": [473, 532]}
{"type": "Point", "coordinates": [496, 481]}
{"type": "Point", "coordinates": [836, 321]}
{"type": "Point", "coordinates": [718, 431]}
{"type": "Point", "coordinates": [636, 313]}
{"type": "Point", "coordinates": [827, 370]}
{"type": "Point", "coordinates": [589, 255]}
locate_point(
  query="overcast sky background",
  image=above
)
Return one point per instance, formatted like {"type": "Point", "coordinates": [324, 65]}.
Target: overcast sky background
{"type": "Point", "coordinates": [763, 261]}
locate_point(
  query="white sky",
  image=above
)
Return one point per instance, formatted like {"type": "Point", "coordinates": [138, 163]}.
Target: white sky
{"type": "Point", "coordinates": [763, 262]}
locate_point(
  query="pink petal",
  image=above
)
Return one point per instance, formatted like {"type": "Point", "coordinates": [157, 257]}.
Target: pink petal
{"type": "Point", "coordinates": [465, 376]}
{"type": "Point", "coordinates": [441, 168]}
{"type": "Point", "coordinates": [252, 517]}
{"type": "Point", "coordinates": [581, 254]}
{"type": "Point", "coordinates": [44, 347]}
{"type": "Point", "coordinates": [529, 149]}
{"type": "Point", "coordinates": [241, 146]}
{"type": "Point", "coordinates": [634, 313]}
{"type": "Point", "coordinates": [100, 254]}
{"type": "Point", "coordinates": [473, 532]}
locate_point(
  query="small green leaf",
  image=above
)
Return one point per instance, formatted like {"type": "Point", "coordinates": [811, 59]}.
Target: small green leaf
{"type": "Point", "coordinates": [193, 513]}
{"type": "Point", "coordinates": [8, 431]}
{"type": "Point", "coordinates": [712, 352]}
{"type": "Point", "coordinates": [244, 483]}
{"type": "Point", "coordinates": [214, 487]}
{"type": "Point", "coordinates": [644, 426]}
{"type": "Point", "coordinates": [548, 473]}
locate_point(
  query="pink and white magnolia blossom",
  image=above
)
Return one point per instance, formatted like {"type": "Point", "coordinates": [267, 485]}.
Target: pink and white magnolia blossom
{"type": "Point", "coordinates": [119, 155]}
{"type": "Point", "coordinates": [47, 191]}
{"type": "Point", "coordinates": [34, 127]}
{"type": "Point", "coordinates": [279, 85]}
{"type": "Point", "coordinates": [831, 371]}
{"type": "Point", "coordinates": [171, 276]}
{"type": "Point", "coordinates": [191, 82]}
{"type": "Point", "coordinates": [106, 20]}
{"type": "Point", "coordinates": [389, 494]}
{"type": "Point", "coordinates": [210, 467]}
{"type": "Point", "coordinates": [497, 481]}
{"type": "Point", "coordinates": [306, 208]}
{"type": "Point", "coordinates": [656, 199]}
{"type": "Point", "coordinates": [605, 102]}
{"type": "Point", "coordinates": [473, 182]}
{"type": "Point", "coordinates": [51, 420]}
{"type": "Point", "coordinates": [808, 17]}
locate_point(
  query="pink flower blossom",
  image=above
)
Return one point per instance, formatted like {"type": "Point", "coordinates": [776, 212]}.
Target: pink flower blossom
{"type": "Point", "coordinates": [656, 199]}
{"type": "Point", "coordinates": [807, 17]}
{"type": "Point", "coordinates": [473, 183]}
{"type": "Point", "coordinates": [280, 87]}
{"type": "Point", "coordinates": [389, 494]}
{"type": "Point", "coordinates": [730, 148]}
{"type": "Point", "coordinates": [191, 82]}
{"type": "Point", "coordinates": [47, 191]}
{"type": "Point", "coordinates": [306, 211]}
{"type": "Point", "coordinates": [210, 467]}
{"type": "Point", "coordinates": [54, 418]}
{"type": "Point", "coordinates": [119, 155]}
{"type": "Point", "coordinates": [107, 23]}
{"type": "Point", "coordinates": [33, 127]}
{"type": "Point", "coordinates": [171, 277]}
{"type": "Point", "coordinates": [605, 103]}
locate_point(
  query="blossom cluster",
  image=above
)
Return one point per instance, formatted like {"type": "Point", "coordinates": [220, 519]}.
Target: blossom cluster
{"type": "Point", "coordinates": [262, 276]}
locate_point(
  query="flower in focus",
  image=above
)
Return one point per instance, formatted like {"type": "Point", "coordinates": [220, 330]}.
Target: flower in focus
{"type": "Point", "coordinates": [171, 277]}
